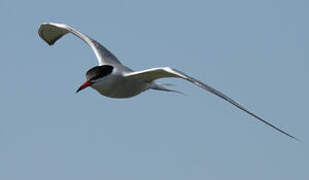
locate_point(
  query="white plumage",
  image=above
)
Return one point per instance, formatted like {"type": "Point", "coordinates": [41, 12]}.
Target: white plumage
{"type": "Point", "coordinates": [115, 80]}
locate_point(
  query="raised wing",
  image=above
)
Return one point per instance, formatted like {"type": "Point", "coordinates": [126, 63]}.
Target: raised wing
{"type": "Point", "coordinates": [51, 32]}
{"type": "Point", "coordinates": [150, 75]}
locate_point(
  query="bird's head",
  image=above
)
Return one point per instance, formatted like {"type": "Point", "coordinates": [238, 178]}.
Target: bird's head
{"type": "Point", "coordinates": [95, 74]}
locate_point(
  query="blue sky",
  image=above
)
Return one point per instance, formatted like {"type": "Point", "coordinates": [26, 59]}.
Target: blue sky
{"type": "Point", "coordinates": [254, 51]}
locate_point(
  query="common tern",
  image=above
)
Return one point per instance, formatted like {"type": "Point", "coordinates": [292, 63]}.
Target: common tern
{"type": "Point", "coordinates": [113, 79]}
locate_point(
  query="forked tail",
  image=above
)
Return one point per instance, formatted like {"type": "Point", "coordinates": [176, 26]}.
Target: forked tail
{"type": "Point", "coordinates": [161, 87]}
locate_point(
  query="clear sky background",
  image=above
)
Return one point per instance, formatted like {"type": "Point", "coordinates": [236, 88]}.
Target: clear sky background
{"type": "Point", "coordinates": [256, 52]}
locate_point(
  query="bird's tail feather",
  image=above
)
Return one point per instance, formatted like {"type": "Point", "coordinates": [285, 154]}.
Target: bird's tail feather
{"type": "Point", "coordinates": [161, 87]}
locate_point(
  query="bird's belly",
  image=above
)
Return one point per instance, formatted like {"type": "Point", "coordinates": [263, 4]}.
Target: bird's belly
{"type": "Point", "coordinates": [120, 88]}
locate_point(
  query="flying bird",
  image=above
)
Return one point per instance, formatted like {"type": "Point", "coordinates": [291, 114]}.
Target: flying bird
{"type": "Point", "coordinates": [113, 79]}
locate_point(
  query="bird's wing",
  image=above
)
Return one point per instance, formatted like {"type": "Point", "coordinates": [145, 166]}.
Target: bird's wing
{"type": "Point", "coordinates": [150, 75]}
{"type": "Point", "coordinates": [51, 32]}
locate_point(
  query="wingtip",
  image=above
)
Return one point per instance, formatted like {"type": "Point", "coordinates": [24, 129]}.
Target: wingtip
{"type": "Point", "coordinates": [45, 27]}
{"type": "Point", "coordinates": [298, 140]}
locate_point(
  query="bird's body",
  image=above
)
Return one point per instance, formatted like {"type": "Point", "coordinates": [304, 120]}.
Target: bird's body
{"type": "Point", "coordinates": [116, 85]}
{"type": "Point", "coordinates": [113, 79]}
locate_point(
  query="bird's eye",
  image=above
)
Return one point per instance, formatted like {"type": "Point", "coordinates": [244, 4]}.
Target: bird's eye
{"type": "Point", "coordinates": [98, 72]}
{"type": "Point", "coordinates": [95, 78]}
